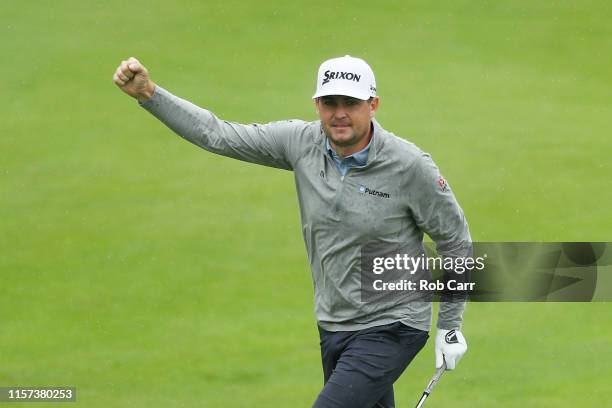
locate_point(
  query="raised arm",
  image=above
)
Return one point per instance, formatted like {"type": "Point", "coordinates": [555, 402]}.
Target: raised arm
{"type": "Point", "coordinates": [274, 144]}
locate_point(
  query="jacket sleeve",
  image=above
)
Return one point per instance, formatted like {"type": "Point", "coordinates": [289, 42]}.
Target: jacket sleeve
{"type": "Point", "coordinates": [271, 144]}
{"type": "Point", "coordinates": [437, 213]}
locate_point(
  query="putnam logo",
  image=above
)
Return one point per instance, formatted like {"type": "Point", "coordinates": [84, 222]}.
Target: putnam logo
{"type": "Point", "coordinates": [365, 190]}
{"type": "Point", "coordinates": [349, 76]}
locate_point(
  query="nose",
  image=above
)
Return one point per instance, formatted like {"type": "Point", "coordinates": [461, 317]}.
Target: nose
{"type": "Point", "coordinates": [340, 111]}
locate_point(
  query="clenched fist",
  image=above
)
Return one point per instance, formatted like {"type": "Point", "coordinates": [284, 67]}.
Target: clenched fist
{"type": "Point", "coordinates": [133, 78]}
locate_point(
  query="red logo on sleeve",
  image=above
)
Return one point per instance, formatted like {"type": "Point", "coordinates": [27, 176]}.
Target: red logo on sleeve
{"type": "Point", "coordinates": [442, 184]}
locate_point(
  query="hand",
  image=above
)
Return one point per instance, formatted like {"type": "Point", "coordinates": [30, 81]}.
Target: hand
{"type": "Point", "coordinates": [133, 78]}
{"type": "Point", "coordinates": [450, 346]}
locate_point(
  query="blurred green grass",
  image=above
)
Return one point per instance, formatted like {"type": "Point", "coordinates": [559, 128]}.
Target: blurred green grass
{"type": "Point", "coordinates": [147, 272]}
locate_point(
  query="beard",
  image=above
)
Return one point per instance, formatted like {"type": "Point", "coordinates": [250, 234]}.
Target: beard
{"type": "Point", "coordinates": [348, 139]}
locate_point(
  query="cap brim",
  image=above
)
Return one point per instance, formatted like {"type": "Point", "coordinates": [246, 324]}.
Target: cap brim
{"type": "Point", "coordinates": [344, 92]}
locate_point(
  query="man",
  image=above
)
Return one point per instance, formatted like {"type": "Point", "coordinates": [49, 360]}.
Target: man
{"type": "Point", "coordinates": [356, 183]}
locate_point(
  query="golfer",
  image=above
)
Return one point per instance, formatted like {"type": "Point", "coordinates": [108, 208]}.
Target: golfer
{"type": "Point", "coordinates": [356, 183]}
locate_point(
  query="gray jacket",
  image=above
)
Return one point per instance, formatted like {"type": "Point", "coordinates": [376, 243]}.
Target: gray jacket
{"type": "Point", "coordinates": [395, 198]}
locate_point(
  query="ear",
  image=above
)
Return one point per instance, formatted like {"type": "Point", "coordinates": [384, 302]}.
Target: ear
{"type": "Point", "coordinates": [316, 102]}
{"type": "Point", "coordinates": [374, 106]}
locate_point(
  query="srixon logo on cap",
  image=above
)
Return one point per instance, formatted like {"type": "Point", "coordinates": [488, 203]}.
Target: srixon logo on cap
{"type": "Point", "coordinates": [349, 76]}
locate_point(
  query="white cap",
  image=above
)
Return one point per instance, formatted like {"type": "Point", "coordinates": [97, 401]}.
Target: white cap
{"type": "Point", "coordinates": [346, 76]}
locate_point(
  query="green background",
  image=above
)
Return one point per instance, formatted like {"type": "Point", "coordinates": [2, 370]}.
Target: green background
{"type": "Point", "coordinates": [147, 272]}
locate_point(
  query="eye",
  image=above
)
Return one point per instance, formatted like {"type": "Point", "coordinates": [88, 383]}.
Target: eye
{"type": "Point", "coordinates": [328, 102]}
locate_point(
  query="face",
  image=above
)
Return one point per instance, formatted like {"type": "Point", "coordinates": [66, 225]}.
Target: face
{"type": "Point", "coordinates": [346, 120]}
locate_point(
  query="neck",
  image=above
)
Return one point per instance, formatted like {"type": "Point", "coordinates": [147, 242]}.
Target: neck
{"type": "Point", "coordinates": [344, 151]}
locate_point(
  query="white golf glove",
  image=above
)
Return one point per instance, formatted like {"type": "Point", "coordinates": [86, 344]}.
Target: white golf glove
{"type": "Point", "coordinates": [450, 346]}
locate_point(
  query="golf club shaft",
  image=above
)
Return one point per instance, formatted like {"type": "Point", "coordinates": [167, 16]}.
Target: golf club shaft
{"type": "Point", "coordinates": [432, 384]}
